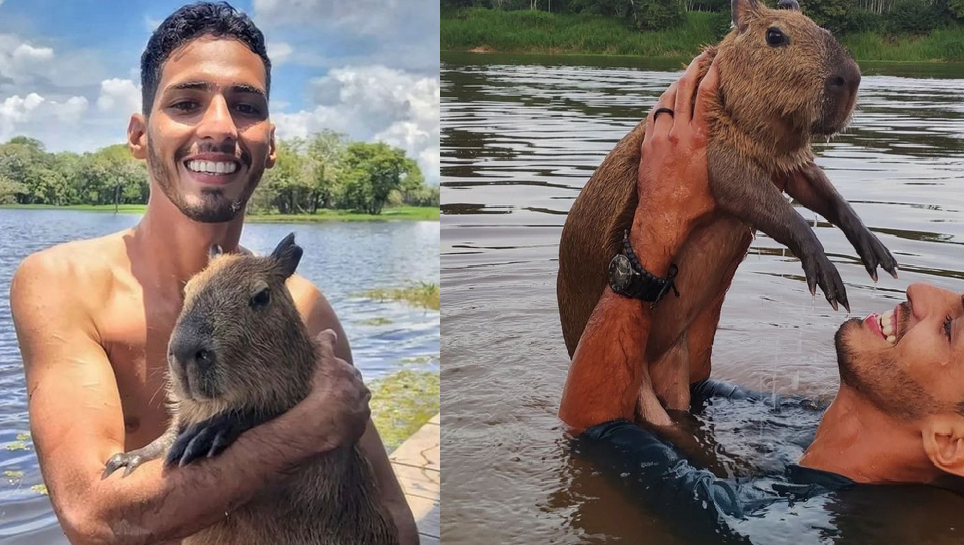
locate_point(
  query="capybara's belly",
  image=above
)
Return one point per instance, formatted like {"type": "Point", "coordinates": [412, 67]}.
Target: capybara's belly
{"type": "Point", "coordinates": [706, 263]}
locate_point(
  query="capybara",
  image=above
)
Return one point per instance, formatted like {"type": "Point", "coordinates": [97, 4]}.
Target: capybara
{"type": "Point", "coordinates": [240, 355]}
{"type": "Point", "coordinates": [783, 80]}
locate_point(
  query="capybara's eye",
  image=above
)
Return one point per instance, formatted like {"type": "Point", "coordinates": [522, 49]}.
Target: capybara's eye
{"type": "Point", "coordinates": [775, 37]}
{"type": "Point", "coordinates": [262, 298]}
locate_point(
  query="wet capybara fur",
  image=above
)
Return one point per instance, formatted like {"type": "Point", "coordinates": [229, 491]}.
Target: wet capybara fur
{"type": "Point", "coordinates": [240, 355]}
{"type": "Point", "coordinates": [783, 80]}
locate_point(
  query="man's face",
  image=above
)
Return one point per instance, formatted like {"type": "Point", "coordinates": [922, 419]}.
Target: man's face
{"type": "Point", "coordinates": [908, 361]}
{"type": "Point", "coordinates": [209, 138]}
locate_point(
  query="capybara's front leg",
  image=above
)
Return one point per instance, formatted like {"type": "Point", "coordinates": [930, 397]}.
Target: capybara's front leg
{"type": "Point", "coordinates": [744, 190]}
{"type": "Point", "coordinates": [209, 438]}
{"type": "Point", "coordinates": [811, 187]}
{"type": "Point", "coordinates": [131, 460]}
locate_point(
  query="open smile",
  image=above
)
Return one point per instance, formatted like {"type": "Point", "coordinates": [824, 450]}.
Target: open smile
{"type": "Point", "coordinates": [884, 325]}
{"type": "Point", "coordinates": [216, 171]}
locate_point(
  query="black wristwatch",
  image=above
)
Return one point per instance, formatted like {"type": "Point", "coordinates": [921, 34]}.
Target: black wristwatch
{"type": "Point", "coordinates": [628, 278]}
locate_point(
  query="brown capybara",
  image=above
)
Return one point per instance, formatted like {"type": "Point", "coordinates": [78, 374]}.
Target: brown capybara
{"type": "Point", "coordinates": [239, 356]}
{"type": "Point", "coordinates": [783, 80]}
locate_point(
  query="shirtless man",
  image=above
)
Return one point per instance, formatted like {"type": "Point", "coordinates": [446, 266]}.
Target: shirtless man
{"type": "Point", "coordinates": [898, 416]}
{"type": "Point", "coordinates": [93, 317]}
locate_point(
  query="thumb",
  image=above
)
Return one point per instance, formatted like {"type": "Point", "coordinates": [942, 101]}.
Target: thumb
{"type": "Point", "coordinates": [327, 339]}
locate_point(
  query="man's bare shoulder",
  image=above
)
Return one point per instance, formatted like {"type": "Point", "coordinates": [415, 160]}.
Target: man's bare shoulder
{"type": "Point", "coordinates": [75, 269]}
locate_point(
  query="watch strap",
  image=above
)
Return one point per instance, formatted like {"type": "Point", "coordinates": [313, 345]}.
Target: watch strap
{"type": "Point", "coordinates": [648, 287]}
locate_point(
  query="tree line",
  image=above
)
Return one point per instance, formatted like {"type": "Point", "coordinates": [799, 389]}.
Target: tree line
{"type": "Point", "coordinates": [890, 17]}
{"type": "Point", "coordinates": [325, 171]}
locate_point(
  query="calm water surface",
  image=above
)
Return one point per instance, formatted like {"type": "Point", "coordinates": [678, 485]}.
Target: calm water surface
{"type": "Point", "coordinates": [520, 137]}
{"type": "Point", "coordinates": [342, 259]}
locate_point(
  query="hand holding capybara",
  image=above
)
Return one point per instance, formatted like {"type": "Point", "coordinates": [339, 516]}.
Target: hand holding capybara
{"type": "Point", "coordinates": [783, 80]}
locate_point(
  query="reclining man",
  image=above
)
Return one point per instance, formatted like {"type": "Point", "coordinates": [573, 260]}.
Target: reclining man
{"type": "Point", "coordinates": [898, 416]}
{"type": "Point", "coordinates": [93, 317]}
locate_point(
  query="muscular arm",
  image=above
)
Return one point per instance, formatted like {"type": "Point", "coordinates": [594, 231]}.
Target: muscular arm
{"type": "Point", "coordinates": [606, 379]}
{"type": "Point", "coordinates": [320, 316]}
{"type": "Point", "coordinates": [77, 423]}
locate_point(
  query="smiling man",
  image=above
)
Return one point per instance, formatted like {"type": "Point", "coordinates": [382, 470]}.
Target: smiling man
{"type": "Point", "coordinates": [93, 317]}
{"type": "Point", "coordinates": [898, 416]}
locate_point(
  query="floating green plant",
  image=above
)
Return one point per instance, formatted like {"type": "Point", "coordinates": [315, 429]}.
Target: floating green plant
{"type": "Point", "coordinates": [39, 488]}
{"type": "Point", "coordinates": [402, 402]}
{"type": "Point", "coordinates": [423, 294]}
{"type": "Point", "coordinates": [381, 320]}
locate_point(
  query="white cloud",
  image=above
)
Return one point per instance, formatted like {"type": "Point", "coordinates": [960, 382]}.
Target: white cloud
{"type": "Point", "coordinates": [375, 103]}
{"type": "Point", "coordinates": [27, 53]}
{"type": "Point", "coordinates": [36, 116]}
{"type": "Point", "coordinates": [364, 16]}
{"type": "Point", "coordinates": [278, 52]}
{"type": "Point", "coordinates": [120, 95]}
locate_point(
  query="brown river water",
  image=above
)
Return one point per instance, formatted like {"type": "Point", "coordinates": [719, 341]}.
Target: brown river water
{"type": "Point", "coordinates": [520, 137]}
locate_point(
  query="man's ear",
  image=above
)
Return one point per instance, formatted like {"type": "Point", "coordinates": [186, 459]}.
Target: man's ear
{"type": "Point", "coordinates": [943, 437]}
{"type": "Point", "coordinates": [272, 150]}
{"type": "Point", "coordinates": [137, 136]}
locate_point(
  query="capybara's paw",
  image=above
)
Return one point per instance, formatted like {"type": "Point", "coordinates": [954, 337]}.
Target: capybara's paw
{"type": "Point", "coordinates": [820, 271]}
{"type": "Point", "coordinates": [208, 438]}
{"type": "Point", "coordinates": [128, 460]}
{"type": "Point", "coordinates": [873, 253]}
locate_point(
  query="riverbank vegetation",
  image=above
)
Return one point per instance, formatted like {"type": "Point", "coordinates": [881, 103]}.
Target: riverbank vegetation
{"type": "Point", "coordinates": [322, 173]}
{"type": "Point", "coordinates": [891, 30]}
{"type": "Point", "coordinates": [424, 294]}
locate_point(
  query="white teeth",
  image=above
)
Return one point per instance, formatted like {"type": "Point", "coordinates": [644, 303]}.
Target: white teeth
{"type": "Point", "coordinates": [892, 339]}
{"type": "Point", "coordinates": [887, 322]}
{"type": "Point", "coordinates": [210, 167]}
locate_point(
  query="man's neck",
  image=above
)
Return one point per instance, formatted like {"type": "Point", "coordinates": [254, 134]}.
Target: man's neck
{"type": "Point", "coordinates": [857, 440]}
{"type": "Point", "coordinates": [175, 247]}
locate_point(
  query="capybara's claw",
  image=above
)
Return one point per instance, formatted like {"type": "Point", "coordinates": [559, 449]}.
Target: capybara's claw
{"type": "Point", "coordinates": [209, 438]}
{"type": "Point", "coordinates": [820, 271]}
{"type": "Point", "coordinates": [127, 460]}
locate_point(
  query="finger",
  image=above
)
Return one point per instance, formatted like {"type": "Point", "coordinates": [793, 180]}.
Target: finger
{"type": "Point", "coordinates": [664, 121]}
{"type": "Point", "coordinates": [687, 86]}
{"type": "Point", "coordinates": [706, 93]}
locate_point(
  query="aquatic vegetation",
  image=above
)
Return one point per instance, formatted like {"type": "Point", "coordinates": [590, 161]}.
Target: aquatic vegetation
{"type": "Point", "coordinates": [419, 360]}
{"type": "Point", "coordinates": [381, 320]}
{"type": "Point", "coordinates": [424, 294]}
{"type": "Point", "coordinates": [13, 475]}
{"type": "Point", "coordinates": [402, 402]}
{"type": "Point", "coordinates": [22, 442]}
{"type": "Point", "coordinates": [39, 488]}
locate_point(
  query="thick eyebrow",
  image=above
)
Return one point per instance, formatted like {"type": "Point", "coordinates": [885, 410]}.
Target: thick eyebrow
{"type": "Point", "coordinates": [205, 86]}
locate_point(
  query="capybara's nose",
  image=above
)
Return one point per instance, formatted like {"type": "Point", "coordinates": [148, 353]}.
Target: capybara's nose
{"type": "Point", "coordinates": [188, 351]}
{"type": "Point", "coordinates": [845, 79]}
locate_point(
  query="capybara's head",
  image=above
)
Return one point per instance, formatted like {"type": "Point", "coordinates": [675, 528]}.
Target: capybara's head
{"type": "Point", "coordinates": [783, 74]}
{"type": "Point", "coordinates": [239, 340]}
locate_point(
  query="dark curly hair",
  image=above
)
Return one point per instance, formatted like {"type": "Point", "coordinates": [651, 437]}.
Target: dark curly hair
{"type": "Point", "coordinates": [189, 22]}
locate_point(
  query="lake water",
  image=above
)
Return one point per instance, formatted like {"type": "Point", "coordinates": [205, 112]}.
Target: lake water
{"type": "Point", "coordinates": [342, 259]}
{"type": "Point", "coordinates": [520, 137]}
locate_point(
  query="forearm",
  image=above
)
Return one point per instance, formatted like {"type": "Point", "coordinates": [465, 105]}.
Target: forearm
{"type": "Point", "coordinates": [607, 369]}
{"type": "Point", "coordinates": [152, 505]}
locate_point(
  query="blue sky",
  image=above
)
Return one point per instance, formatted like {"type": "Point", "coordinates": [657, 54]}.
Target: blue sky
{"type": "Point", "coordinates": [69, 71]}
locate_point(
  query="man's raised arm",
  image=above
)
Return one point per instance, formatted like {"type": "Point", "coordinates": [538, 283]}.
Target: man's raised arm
{"type": "Point", "coordinates": [77, 423]}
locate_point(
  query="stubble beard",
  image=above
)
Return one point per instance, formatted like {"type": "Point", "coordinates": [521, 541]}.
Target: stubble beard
{"type": "Point", "coordinates": [879, 378]}
{"type": "Point", "coordinates": [214, 206]}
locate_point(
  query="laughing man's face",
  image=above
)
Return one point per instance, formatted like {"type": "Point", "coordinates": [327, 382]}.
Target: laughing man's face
{"type": "Point", "coordinates": [209, 137]}
{"type": "Point", "coordinates": [908, 361]}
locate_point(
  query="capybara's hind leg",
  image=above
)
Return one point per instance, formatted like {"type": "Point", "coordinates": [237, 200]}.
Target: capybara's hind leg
{"type": "Point", "coordinates": [670, 375]}
{"type": "Point", "coordinates": [701, 334]}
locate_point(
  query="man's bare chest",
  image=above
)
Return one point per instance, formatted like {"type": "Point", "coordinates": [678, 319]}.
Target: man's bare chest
{"type": "Point", "coordinates": [135, 336]}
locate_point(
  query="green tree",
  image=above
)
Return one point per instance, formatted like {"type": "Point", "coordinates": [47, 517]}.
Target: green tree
{"type": "Point", "coordinates": [373, 171]}
{"type": "Point", "coordinates": [325, 156]}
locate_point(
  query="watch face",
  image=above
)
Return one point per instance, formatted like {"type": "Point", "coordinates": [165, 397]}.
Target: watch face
{"type": "Point", "coordinates": [620, 273]}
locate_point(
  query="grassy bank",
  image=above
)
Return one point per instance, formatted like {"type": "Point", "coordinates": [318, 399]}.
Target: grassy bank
{"type": "Point", "coordinates": [408, 213]}
{"type": "Point", "coordinates": [540, 32]}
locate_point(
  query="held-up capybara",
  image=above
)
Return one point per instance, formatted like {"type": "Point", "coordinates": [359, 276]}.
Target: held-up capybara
{"type": "Point", "coordinates": [241, 355]}
{"type": "Point", "coordinates": [783, 80]}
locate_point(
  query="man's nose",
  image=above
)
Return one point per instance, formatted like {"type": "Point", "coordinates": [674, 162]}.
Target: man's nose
{"type": "Point", "coordinates": [924, 298]}
{"type": "Point", "coordinates": [217, 122]}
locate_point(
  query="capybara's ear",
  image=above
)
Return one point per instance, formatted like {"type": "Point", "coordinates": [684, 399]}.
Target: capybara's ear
{"type": "Point", "coordinates": [791, 5]}
{"type": "Point", "coordinates": [214, 251]}
{"type": "Point", "coordinates": [743, 10]}
{"type": "Point", "coordinates": [287, 255]}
